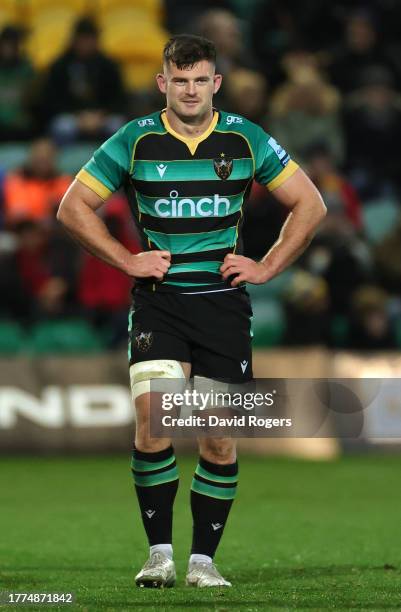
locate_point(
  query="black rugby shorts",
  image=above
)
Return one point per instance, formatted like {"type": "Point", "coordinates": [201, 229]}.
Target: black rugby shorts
{"type": "Point", "coordinates": [212, 331]}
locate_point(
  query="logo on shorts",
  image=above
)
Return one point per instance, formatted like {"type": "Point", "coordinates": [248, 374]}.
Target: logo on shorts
{"type": "Point", "coordinates": [143, 341]}
{"type": "Point", "coordinates": [223, 166]}
{"type": "Point", "coordinates": [244, 365]}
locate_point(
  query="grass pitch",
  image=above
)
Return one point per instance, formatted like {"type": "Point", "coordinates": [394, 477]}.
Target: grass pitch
{"type": "Point", "coordinates": [302, 535]}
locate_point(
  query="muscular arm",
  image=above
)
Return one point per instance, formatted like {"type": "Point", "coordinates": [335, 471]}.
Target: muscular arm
{"type": "Point", "coordinates": [77, 212]}
{"type": "Point", "coordinates": [299, 195]}
{"type": "Point", "coordinates": [307, 210]}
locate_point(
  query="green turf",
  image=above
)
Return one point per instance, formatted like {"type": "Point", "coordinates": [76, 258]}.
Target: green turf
{"type": "Point", "coordinates": [302, 535]}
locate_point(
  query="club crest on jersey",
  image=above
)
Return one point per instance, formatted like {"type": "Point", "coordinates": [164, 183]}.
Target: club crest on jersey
{"type": "Point", "coordinates": [143, 341]}
{"type": "Point", "coordinates": [223, 166]}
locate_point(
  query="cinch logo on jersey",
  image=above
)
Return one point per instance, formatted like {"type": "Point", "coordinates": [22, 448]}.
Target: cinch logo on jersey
{"type": "Point", "coordinates": [186, 207]}
{"type": "Point", "coordinates": [280, 152]}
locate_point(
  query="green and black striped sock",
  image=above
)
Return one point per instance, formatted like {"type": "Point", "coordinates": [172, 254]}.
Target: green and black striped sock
{"type": "Point", "coordinates": [212, 494]}
{"type": "Point", "coordinates": [156, 483]}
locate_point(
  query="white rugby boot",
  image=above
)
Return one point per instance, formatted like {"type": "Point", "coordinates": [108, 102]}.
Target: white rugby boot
{"type": "Point", "coordinates": [201, 574]}
{"type": "Point", "coordinates": [157, 573]}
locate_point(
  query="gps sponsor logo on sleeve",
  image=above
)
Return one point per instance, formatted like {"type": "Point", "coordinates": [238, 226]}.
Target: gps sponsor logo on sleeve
{"type": "Point", "coordinates": [279, 151]}
{"type": "Point", "coordinates": [144, 122]}
{"type": "Point", "coordinates": [233, 119]}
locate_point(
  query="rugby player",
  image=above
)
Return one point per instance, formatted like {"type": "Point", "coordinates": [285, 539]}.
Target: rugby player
{"type": "Point", "coordinates": [187, 171]}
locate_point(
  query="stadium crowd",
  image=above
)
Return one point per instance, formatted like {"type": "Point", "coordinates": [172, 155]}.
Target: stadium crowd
{"type": "Point", "coordinates": [324, 78]}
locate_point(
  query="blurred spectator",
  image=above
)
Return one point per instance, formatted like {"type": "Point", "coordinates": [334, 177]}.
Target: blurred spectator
{"type": "Point", "coordinates": [339, 195]}
{"type": "Point", "coordinates": [35, 191]}
{"type": "Point", "coordinates": [373, 133]}
{"type": "Point", "coordinates": [360, 50]}
{"type": "Point", "coordinates": [388, 260]}
{"type": "Point", "coordinates": [16, 82]}
{"type": "Point", "coordinates": [305, 109]}
{"type": "Point", "coordinates": [307, 308]}
{"type": "Point", "coordinates": [342, 258]}
{"type": "Point", "coordinates": [371, 327]}
{"type": "Point", "coordinates": [223, 28]}
{"type": "Point", "coordinates": [277, 26]}
{"type": "Point", "coordinates": [181, 15]}
{"type": "Point", "coordinates": [274, 29]}
{"type": "Point", "coordinates": [104, 291]}
{"type": "Point", "coordinates": [245, 93]}
{"type": "Point", "coordinates": [83, 94]}
{"type": "Point", "coordinates": [32, 284]}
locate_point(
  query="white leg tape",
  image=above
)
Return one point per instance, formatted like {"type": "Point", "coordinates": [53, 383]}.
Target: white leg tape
{"type": "Point", "coordinates": [140, 388]}
{"type": "Point", "coordinates": [143, 372]}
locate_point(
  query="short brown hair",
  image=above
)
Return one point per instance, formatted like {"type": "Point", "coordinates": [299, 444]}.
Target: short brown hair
{"type": "Point", "coordinates": [185, 50]}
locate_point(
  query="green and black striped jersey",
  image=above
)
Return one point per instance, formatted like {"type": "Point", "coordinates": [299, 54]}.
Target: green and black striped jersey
{"type": "Point", "coordinates": [187, 194]}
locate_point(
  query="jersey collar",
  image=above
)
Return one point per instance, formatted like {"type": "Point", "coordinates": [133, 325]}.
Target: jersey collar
{"type": "Point", "coordinates": [191, 142]}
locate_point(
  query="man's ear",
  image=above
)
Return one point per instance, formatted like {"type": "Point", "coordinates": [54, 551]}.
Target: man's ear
{"type": "Point", "coordinates": [217, 79]}
{"type": "Point", "coordinates": [161, 82]}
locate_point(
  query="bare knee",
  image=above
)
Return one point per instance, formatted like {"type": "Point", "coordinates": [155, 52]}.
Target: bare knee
{"type": "Point", "coordinates": [218, 450]}
{"type": "Point", "coordinates": [143, 440]}
{"type": "Point", "coordinates": [141, 374]}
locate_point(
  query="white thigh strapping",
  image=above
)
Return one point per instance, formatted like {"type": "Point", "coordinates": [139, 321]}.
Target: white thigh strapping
{"type": "Point", "coordinates": [143, 372]}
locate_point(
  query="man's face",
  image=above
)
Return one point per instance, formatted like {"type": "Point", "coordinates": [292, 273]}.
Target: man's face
{"type": "Point", "coordinates": [189, 91]}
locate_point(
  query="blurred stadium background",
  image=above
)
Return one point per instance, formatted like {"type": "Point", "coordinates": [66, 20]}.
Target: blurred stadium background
{"type": "Point", "coordinates": [324, 78]}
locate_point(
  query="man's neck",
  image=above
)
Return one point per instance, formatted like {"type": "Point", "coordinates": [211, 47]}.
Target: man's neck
{"type": "Point", "coordinates": [191, 129]}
